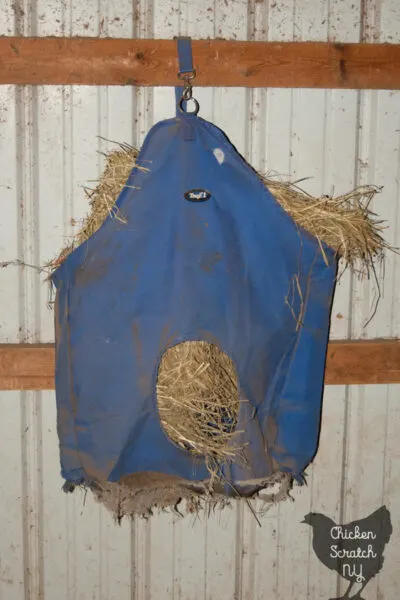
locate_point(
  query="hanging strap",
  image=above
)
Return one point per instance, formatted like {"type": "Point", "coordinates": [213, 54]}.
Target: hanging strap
{"type": "Point", "coordinates": [186, 71]}
{"type": "Point", "coordinates": [185, 58]}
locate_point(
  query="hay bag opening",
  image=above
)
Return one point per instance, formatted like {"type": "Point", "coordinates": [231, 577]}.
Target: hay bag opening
{"type": "Point", "coordinates": [198, 399]}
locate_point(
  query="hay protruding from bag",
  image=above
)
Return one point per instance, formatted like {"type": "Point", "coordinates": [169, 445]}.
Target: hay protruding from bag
{"type": "Point", "coordinates": [197, 387]}
{"type": "Point", "coordinates": [346, 222]}
{"type": "Point", "coordinates": [118, 166]}
{"type": "Point", "coordinates": [198, 400]}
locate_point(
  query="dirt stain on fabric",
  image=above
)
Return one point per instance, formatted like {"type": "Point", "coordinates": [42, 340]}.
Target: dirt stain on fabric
{"type": "Point", "coordinates": [136, 340]}
{"type": "Point", "coordinates": [209, 261]}
{"type": "Point", "coordinates": [91, 273]}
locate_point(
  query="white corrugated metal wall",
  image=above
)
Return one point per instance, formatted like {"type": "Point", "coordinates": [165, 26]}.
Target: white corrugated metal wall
{"type": "Point", "coordinates": [67, 548]}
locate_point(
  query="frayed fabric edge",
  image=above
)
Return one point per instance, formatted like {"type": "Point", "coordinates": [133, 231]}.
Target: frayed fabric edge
{"type": "Point", "coordinates": [146, 498]}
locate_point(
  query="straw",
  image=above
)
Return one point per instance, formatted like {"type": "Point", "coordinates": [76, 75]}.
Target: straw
{"type": "Point", "coordinates": [198, 400]}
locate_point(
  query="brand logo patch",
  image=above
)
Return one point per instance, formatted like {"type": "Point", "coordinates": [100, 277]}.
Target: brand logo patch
{"type": "Point", "coordinates": [197, 195]}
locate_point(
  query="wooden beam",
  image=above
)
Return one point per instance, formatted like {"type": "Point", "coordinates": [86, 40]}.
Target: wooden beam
{"type": "Point", "coordinates": [26, 367]}
{"type": "Point", "coordinates": [143, 62]}
{"type": "Point", "coordinates": [363, 362]}
{"type": "Point", "coordinates": [31, 367]}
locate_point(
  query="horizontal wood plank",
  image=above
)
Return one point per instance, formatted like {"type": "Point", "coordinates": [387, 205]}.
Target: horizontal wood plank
{"type": "Point", "coordinates": [361, 362]}
{"type": "Point", "coordinates": [31, 367]}
{"type": "Point", "coordinates": [27, 366]}
{"type": "Point", "coordinates": [148, 62]}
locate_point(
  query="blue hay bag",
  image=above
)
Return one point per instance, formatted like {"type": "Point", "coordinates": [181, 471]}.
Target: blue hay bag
{"type": "Point", "coordinates": [205, 253]}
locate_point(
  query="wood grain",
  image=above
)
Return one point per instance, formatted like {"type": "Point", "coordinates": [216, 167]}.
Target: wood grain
{"type": "Point", "coordinates": [361, 362]}
{"type": "Point", "coordinates": [26, 366]}
{"type": "Point", "coordinates": [147, 62]}
{"type": "Point", "coordinates": [31, 367]}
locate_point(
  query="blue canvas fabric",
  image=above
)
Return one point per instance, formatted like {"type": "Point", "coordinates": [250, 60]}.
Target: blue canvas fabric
{"type": "Point", "coordinates": [234, 270]}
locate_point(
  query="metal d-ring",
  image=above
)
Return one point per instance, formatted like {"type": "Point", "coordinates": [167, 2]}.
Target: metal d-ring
{"type": "Point", "coordinates": [190, 112]}
{"type": "Point", "coordinates": [187, 93]}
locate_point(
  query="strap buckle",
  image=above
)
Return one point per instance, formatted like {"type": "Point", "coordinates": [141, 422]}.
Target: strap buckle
{"type": "Point", "coordinates": [186, 74]}
{"type": "Point", "coordinates": [187, 93]}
